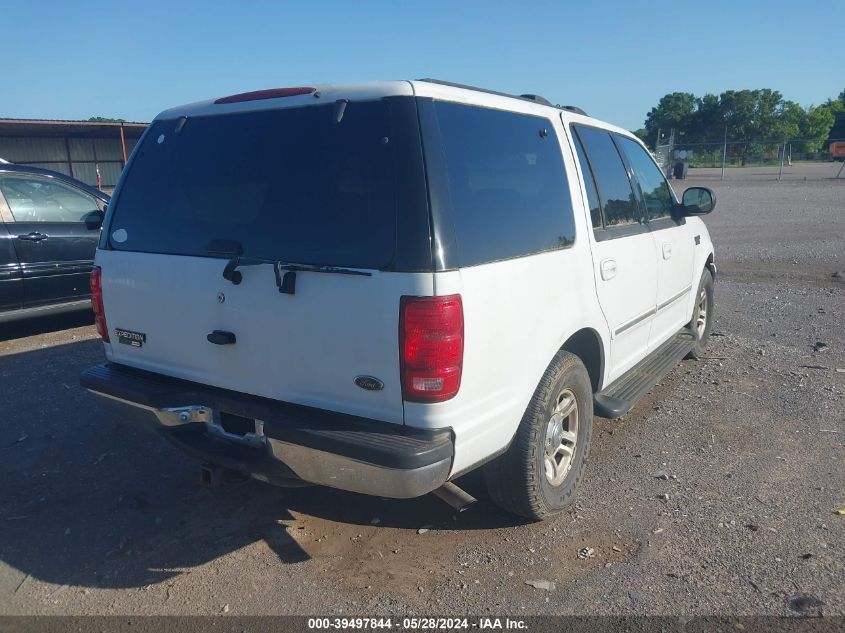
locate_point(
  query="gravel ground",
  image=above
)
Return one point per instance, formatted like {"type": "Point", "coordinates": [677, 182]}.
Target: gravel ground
{"type": "Point", "coordinates": [97, 517]}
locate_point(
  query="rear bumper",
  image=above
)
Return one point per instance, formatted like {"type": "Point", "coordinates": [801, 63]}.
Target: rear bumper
{"type": "Point", "coordinates": [293, 443]}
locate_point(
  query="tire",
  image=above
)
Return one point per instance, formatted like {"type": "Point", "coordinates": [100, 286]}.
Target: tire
{"type": "Point", "coordinates": [705, 290]}
{"type": "Point", "coordinates": [521, 481]}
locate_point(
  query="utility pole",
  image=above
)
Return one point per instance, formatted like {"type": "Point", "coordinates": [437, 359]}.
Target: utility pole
{"type": "Point", "coordinates": [724, 152]}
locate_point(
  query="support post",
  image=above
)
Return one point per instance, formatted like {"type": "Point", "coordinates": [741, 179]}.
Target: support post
{"type": "Point", "coordinates": [96, 164]}
{"type": "Point", "coordinates": [69, 159]}
{"type": "Point", "coordinates": [724, 152]}
{"type": "Point", "coordinates": [782, 156]}
{"type": "Point", "coordinates": [123, 144]}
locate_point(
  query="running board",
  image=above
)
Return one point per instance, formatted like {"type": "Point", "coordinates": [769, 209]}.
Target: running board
{"type": "Point", "coordinates": [617, 399]}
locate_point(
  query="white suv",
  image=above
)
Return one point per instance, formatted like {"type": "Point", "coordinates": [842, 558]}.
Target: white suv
{"type": "Point", "coordinates": [379, 287]}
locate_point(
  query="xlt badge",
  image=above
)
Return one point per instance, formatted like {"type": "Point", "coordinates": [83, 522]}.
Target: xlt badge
{"type": "Point", "coordinates": [128, 337]}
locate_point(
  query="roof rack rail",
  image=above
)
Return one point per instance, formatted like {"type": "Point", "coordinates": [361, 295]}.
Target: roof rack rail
{"type": "Point", "coordinates": [537, 99]}
{"type": "Point", "coordinates": [525, 97]}
{"type": "Point", "coordinates": [575, 109]}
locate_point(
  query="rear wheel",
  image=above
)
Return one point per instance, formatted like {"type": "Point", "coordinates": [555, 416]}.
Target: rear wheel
{"type": "Point", "coordinates": [702, 314]}
{"type": "Point", "coordinates": [537, 476]}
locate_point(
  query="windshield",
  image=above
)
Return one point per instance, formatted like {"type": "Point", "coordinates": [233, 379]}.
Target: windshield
{"type": "Point", "coordinates": [290, 184]}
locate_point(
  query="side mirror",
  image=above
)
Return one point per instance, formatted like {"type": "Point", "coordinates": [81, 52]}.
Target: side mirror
{"type": "Point", "coordinates": [698, 201]}
{"type": "Point", "coordinates": [94, 220]}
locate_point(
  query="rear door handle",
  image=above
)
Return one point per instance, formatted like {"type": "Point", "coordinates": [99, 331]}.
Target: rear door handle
{"type": "Point", "coordinates": [33, 237]}
{"type": "Point", "coordinates": [667, 250]}
{"type": "Point", "coordinates": [608, 268]}
{"type": "Point", "coordinates": [220, 337]}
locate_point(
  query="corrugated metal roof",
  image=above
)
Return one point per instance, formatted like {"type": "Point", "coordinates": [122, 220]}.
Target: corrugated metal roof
{"type": "Point", "coordinates": [63, 127]}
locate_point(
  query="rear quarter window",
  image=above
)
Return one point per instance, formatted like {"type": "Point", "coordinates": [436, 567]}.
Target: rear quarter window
{"type": "Point", "coordinates": [506, 187]}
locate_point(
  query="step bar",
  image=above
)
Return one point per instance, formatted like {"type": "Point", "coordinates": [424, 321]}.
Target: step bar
{"type": "Point", "coordinates": [617, 399]}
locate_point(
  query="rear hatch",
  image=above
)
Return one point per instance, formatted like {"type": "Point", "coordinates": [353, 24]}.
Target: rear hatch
{"type": "Point", "coordinates": [319, 212]}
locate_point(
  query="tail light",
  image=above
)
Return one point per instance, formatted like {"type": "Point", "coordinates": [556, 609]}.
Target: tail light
{"type": "Point", "coordinates": [431, 347]}
{"type": "Point", "coordinates": [97, 303]}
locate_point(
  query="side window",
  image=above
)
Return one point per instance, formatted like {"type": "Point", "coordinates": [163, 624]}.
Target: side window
{"type": "Point", "coordinates": [34, 199]}
{"type": "Point", "coordinates": [589, 183]}
{"type": "Point", "coordinates": [614, 188]}
{"type": "Point", "coordinates": [655, 189]}
{"type": "Point", "coordinates": [507, 183]}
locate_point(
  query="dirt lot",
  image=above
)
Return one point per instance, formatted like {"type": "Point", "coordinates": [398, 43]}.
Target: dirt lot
{"type": "Point", "coordinates": [97, 517]}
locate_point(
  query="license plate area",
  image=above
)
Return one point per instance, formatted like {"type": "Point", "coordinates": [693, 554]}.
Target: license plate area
{"type": "Point", "coordinates": [237, 428]}
{"type": "Point", "coordinates": [236, 424]}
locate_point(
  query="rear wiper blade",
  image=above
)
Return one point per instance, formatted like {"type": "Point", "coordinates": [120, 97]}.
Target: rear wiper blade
{"type": "Point", "coordinates": [234, 250]}
{"type": "Point", "coordinates": [314, 268]}
{"type": "Point", "coordinates": [287, 283]}
{"type": "Point", "coordinates": [231, 271]}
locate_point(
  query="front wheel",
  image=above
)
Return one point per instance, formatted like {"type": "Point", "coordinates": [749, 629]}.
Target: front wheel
{"type": "Point", "coordinates": [537, 476]}
{"type": "Point", "coordinates": [702, 314]}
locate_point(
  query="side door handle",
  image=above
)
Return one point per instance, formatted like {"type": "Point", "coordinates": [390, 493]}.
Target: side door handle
{"type": "Point", "coordinates": [608, 268]}
{"type": "Point", "coordinates": [667, 250]}
{"type": "Point", "coordinates": [33, 237]}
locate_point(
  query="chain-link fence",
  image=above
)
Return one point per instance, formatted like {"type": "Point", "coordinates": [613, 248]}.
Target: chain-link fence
{"type": "Point", "coordinates": [749, 153]}
{"type": "Point", "coordinates": [676, 156]}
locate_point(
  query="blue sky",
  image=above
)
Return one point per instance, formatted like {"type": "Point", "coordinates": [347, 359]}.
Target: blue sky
{"type": "Point", "coordinates": [614, 59]}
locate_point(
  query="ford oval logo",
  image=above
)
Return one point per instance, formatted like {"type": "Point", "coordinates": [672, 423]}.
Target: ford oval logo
{"type": "Point", "coordinates": [369, 383]}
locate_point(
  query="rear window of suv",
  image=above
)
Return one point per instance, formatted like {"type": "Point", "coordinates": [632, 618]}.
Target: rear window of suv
{"type": "Point", "coordinates": [505, 190]}
{"type": "Point", "coordinates": [288, 184]}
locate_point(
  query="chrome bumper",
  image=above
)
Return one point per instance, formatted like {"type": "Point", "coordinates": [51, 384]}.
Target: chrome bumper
{"type": "Point", "coordinates": [197, 430]}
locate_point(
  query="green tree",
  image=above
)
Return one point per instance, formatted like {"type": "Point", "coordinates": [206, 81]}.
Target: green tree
{"type": "Point", "coordinates": [740, 110]}
{"type": "Point", "coordinates": [708, 122]}
{"type": "Point", "coordinates": [641, 134]}
{"type": "Point", "coordinates": [789, 120]}
{"type": "Point", "coordinates": [817, 125]}
{"type": "Point", "coordinates": [103, 119]}
{"type": "Point", "coordinates": [758, 121]}
{"type": "Point", "coordinates": [674, 110]}
{"type": "Point", "coordinates": [837, 108]}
